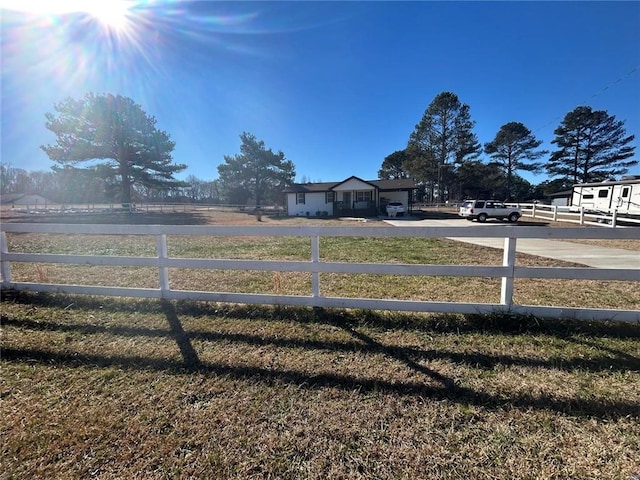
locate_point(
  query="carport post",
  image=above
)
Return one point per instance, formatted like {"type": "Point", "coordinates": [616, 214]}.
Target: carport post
{"type": "Point", "coordinates": [508, 260]}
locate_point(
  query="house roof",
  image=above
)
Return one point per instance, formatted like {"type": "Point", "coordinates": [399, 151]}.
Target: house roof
{"type": "Point", "coordinates": [23, 199]}
{"type": "Point", "coordinates": [564, 193]}
{"type": "Point", "coordinates": [394, 184]}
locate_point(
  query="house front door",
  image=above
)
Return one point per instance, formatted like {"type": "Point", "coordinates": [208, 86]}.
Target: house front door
{"type": "Point", "coordinates": [346, 198]}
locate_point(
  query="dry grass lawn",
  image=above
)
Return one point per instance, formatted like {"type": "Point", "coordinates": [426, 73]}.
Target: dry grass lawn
{"type": "Point", "coordinates": [112, 388]}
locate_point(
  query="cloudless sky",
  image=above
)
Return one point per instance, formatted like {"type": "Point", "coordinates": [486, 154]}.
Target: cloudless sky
{"type": "Point", "coordinates": [336, 86]}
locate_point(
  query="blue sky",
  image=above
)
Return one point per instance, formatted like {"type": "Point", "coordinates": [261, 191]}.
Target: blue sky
{"type": "Point", "coordinates": [337, 86]}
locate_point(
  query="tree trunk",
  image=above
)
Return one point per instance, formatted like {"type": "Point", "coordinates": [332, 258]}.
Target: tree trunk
{"type": "Point", "coordinates": [126, 180]}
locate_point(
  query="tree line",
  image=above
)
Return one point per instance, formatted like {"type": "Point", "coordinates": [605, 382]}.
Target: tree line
{"type": "Point", "coordinates": [443, 154]}
{"type": "Point", "coordinates": [126, 158]}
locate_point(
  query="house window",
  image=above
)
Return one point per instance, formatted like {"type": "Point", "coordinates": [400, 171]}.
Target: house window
{"type": "Point", "coordinates": [625, 192]}
{"type": "Point", "coordinates": [363, 196]}
{"type": "Point", "coordinates": [588, 196]}
{"type": "Point", "coordinates": [299, 198]}
{"type": "Point", "coordinates": [329, 197]}
{"type": "Point", "coordinates": [603, 193]}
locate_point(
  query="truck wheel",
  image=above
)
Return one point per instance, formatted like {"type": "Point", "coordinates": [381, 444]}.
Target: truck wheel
{"type": "Point", "coordinates": [513, 218]}
{"type": "Point", "coordinates": [482, 217]}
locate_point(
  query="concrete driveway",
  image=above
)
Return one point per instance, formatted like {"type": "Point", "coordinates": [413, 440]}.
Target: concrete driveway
{"type": "Point", "coordinates": [590, 255]}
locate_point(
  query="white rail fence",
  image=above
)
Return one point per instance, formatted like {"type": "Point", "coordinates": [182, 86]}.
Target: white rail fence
{"type": "Point", "coordinates": [573, 215]}
{"type": "Point", "coordinates": [508, 271]}
{"type": "Point", "coordinates": [555, 213]}
{"type": "Point", "coordinates": [146, 207]}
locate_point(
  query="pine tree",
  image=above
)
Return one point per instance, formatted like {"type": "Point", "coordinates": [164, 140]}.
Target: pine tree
{"type": "Point", "coordinates": [593, 146]}
{"type": "Point", "coordinates": [394, 166]}
{"type": "Point", "coordinates": [442, 140]}
{"type": "Point", "coordinates": [256, 172]}
{"type": "Point", "coordinates": [114, 128]}
{"type": "Point", "coordinates": [514, 148]}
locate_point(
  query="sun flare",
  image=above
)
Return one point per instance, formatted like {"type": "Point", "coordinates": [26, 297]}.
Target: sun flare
{"type": "Point", "coordinates": [113, 14]}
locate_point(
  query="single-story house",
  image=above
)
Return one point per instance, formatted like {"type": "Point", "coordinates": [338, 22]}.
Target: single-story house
{"type": "Point", "coordinates": [23, 199]}
{"type": "Point", "coordinates": [352, 197]}
{"type": "Point", "coordinates": [561, 199]}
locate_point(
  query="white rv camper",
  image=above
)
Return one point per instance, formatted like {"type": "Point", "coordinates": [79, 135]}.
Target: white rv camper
{"type": "Point", "coordinates": [606, 197]}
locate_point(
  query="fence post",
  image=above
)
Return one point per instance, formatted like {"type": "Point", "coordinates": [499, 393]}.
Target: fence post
{"type": "Point", "coordinates": [315, 258]}
{"type": "Point", "coordinates": [614, 218]}
{"type": "Point", "coordinates": [533, 211]}
{"type": "Point", "coordinates": [555, 213]}
{"type": "Point", "coordinates": [5, 266]}
{"type": "Point", "coordinates": [161, 247]}
{"type": "Point", "coordinates": [581, 214]}
{"type": "Point", "coordinates": [508, 260]}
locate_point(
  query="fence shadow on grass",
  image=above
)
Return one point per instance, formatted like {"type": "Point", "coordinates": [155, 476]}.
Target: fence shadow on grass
{"type": "Point", "coordinates": [189, 355]}
{"type": "Point", "coordinates": [437, 386]}
{"type": "Point", "coordinates": [615, 361]}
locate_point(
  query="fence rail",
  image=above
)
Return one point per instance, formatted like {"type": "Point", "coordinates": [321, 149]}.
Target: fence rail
{"type": "Point", "coordinates": [507, 272]}
{"type": "Point", "coordinates": [577, 215]}
{"type": "Point", "coordinates": [139, 207]}
{"type": "Point", "coordinates": [555, 213]}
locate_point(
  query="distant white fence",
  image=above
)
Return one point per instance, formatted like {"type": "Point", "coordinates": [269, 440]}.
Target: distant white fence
{"type": "Point", "coordinates": [533, 210]}
{"type": "Point", "coordinates": [157, 207]}
{"type": "Point", "coordinates": [570, 215]}
{"type": "Point", "coordinates": [508, 271]}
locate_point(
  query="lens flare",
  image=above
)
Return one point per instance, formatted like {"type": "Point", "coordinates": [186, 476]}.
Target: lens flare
{"type": "Point", "coordinates": [52, 49]}
{"type": "Point", "coordinates": [111, 13]}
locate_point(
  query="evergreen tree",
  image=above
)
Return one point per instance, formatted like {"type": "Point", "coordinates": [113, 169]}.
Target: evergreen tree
{"type": "Point", "coordinates": [477, 180]}
{"type": "Point", "coordinates": [114, 128]}
{"type": "Point", "coordinates": [444, 137]}
{"type": "Point", "coordinates": [256, 173]}
{"type": "Point", "coordinates": [547, 188]}
{"type": "Point", "coordinates": [514, 148]}
{"type": "Point", "coordinates": [593, 146]}
{"type": "Point", "coordinates": [393, 166]}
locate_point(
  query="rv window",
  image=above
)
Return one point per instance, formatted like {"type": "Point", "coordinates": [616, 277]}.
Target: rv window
{"type": "Point", "coordinates": [603, 193]}
{"type": "Point", "coordinates": [625, 192]}
{"type": "Point", "coordinates": [587, 196]}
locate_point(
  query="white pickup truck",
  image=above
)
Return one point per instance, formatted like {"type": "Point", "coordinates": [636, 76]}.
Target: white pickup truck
{"type": "Point", "coordinates": [481, 210]}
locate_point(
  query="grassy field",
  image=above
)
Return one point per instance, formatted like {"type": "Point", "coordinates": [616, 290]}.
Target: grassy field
{"type": "Point", "coordinates": [572, 293]}
{"type": "Point", "coordinates": [122, 388]}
